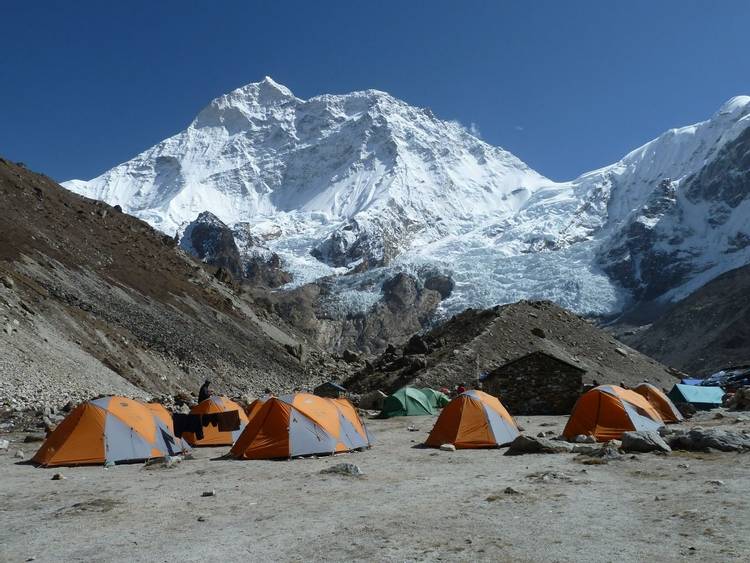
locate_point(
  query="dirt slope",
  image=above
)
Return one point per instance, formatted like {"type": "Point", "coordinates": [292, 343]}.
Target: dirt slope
{"type": "Point", "coordinates": [95, 301]}
{"type": "Point", "coordinates": [705, 332]}
{"type": "Point", "coordinates": [480, 340]}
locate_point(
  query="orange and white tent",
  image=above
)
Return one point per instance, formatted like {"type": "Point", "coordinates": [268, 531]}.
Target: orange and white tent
{"type": "Point", "coordinates": [299, 425]}
{"type": "Point", "coordinates": [607, 411]}
{"type": "Point", "coordinates": [212, 436]}
{"type": "Point", "coordinates": [660, 402]}
{"type": "Point", "coordinates": [109, 430]}
{"type": "Point", "coordinates": [474, 419]}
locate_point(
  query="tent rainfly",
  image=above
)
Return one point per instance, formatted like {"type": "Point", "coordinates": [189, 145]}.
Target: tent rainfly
{"type": "Point", "coordinates": [474, 419]}
{"type": "Point", "coordinates": [701, 397]}
{"type": "Point", "coordinates": [110, 430]}
{"type": "Point", "coordinates": [407, 401]}
{"type": "Point", "coordinates": [299, 425]}
{"type": "Point", "coordinates": [605, 412]}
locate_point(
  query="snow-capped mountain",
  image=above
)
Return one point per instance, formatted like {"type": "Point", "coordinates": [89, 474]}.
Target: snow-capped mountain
{"type": "Point", "coordinates": [366, 181]}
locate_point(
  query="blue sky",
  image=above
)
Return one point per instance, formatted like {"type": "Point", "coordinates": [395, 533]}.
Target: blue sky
{"type": "Point", "coordinates": [566, 86]}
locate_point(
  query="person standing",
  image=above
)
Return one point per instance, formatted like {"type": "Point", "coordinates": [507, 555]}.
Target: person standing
{"type": "Point", "coordinates": [205, 391]}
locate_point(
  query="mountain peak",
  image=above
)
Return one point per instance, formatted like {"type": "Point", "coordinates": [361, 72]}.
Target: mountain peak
{"type": "Point", "coordinates": [735, 105]}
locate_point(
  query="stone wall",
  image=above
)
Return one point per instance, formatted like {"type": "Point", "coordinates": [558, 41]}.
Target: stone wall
{"type": "Point", "coordinates": [536, 384]}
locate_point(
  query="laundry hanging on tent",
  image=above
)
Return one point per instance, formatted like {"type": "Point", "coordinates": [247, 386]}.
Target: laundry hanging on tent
{"type": "Point", "coordinates": [221, 421]}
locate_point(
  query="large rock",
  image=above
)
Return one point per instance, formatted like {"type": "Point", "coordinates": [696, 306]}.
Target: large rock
{"type": "Point", "coordinates": [535, 445]}
{"type": "Point", "coordinates": [416, 345]}
{"type": "Point", "coordinates": [644, 441]}
{"type": "Point", "coordinates": [442, 284]}
{"type": "Point", "coordinates": [211, 241]}
{"type": "Point", "coordinates": [372, 401]}
{"type": "Point", "coordinates": [700, 439]}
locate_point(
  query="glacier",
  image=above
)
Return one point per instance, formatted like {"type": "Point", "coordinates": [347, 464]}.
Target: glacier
{"type": "Point", "coordinates": [364, 179]}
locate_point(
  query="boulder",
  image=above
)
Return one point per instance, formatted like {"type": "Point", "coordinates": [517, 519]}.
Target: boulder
{"type": "Point", "coordinates": [605, 452]}
{"type": "Point", "coordinates": [350, 357]}
{"type": "Point", "coordinates": [372, 400]}
{"type": "Point", "coordinates": [416, 345]}
{"type": "Point", "coordinates": [700, 439]}
{"type": "Point", "coordinates": [534, 445]}
{"type": "Point", "coordinates": [644, 441]}
{"type": "Point", "coordinates": [442, 284]}
{"type": "Point", "coordinates": [740, 401]}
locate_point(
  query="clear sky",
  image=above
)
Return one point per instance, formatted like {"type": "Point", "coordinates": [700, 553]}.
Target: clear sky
{"type": "Point", "coordinates": [566, 86]}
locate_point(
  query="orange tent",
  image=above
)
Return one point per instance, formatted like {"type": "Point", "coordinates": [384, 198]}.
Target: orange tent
{"type": "Point", "coordinates": [660, 402]}
{"type": "Point", "coordinates": [160, 411]}
{"type": "Point", "coordinates": [110, 429]}
{"type": "Point", "coordinates": [211, 434]}
{"type": "Point", "coordinates": [607, 411]}
{"type": "Point", "coordinates": [474, 419]}
{"type": "Point", "coordinates": [298, 425]}
{"type": "Point", "coordinates": [254, 407]}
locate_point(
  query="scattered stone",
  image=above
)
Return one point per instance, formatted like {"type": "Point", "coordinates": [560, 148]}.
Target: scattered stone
{"type": "Point", "coordinates": [533, 445]}
{"type": "Point", "coordinates": [546, 434]}
{"type": "Point", "coordinates": [412, 428]}
{"type": "Point", "coordinates": [108, 464]}
{"type": "Point", "coordinates": [20, 454]}
{"type": "Point", "coordinates": [644, 441]}
{"type": "Point", "coordinates": [658, 498]}
{"type": "Point", "coordinates": [448, 448]}
{"type": "Point", "coordinates": [536, 331]}
{"type": "Point", "coordinates": [550, 477]}
{"type": "Point", "coordinates": [716, 482]}
{"type": "Point", "coordinates": [210, 493]}
{"type": "Point", "coordinates": [621, 352]}
{"type": "Point", "coordinates": [512, 491]}
{"type": "Point", "coordinates": [167, 462]}
{"type": "Point", "coordinates": [584, 439]}
{"type": "Point", "coordinates": [586, 448]}
{"type": "Point", "coordinates": [58, 477]}
{"type": "Point", "coordinates": [201, 518]}
{"type": "Point", "coordinates": [33, 438]}
{"type": "Point", "coordinates": [8, 282]}
{"type": "Point", "coordinates": [4, 445]}
{"type": "Point", "coordinates": [346, 469]}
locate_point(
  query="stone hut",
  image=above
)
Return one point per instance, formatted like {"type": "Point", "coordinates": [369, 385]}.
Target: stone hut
{"type": "Point", "coordinates": [537, 383]}
{"type": "Point", "coordinates": [330, 389]}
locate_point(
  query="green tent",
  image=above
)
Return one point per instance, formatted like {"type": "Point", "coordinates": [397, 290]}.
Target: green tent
{"type": "Point", "coordinates": [407, 401]}
{"type": "Point", "coordinates": [437, 399]}
{"type": "Point", "coordinates": [697, 395]}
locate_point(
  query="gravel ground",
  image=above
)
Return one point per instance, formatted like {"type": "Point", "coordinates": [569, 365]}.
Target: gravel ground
{"type": "Point", "coordinates": [413, 504]}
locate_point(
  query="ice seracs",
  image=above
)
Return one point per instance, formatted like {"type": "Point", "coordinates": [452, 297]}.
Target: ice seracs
{"type": "Point", "coordinates": [364, 181]}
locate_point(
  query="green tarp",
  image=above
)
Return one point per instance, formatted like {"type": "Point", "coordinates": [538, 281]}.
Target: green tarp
{"type": "Point", "coordinates": [697, 395]}
{"type": "Point", "coordinates": [437, 399]}
{"type": "Point", "coordinates": [407, 401]}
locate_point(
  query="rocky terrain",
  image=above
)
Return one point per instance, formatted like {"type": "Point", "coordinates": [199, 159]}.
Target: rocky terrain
{"type": "Point", "coordinates": [477, 341]}
{"type": "Point", "coordinates": [705, 332]}
{"type": "Point", "coordinates": [93, 301]}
